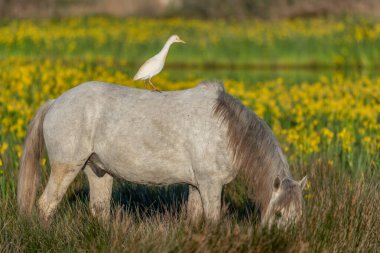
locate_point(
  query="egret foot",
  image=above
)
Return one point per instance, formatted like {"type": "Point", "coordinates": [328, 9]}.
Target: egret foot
{"type": "Point", "coordinates": [154, 87]}
{"type": "Point", "coordinates": [157, 90]}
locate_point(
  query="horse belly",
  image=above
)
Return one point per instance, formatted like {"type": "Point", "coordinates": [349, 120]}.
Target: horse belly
{"type": "Point", "coordinates": [142, 166]}
{"type": "Point", "coordinates": [150, 156]}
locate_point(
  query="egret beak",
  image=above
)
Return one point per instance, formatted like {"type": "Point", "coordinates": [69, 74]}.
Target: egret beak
{"type": "Point", "coordinates": [179, 40]}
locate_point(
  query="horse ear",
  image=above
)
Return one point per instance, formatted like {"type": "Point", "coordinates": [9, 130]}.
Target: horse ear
{"type": "Point", "coordinates": [276, 183]}
{"type": "Point", "coordinates": [302, 182]}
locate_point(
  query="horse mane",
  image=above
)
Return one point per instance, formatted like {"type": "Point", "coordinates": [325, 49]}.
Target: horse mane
{"type": "Point", "coordinates": [255, 150]}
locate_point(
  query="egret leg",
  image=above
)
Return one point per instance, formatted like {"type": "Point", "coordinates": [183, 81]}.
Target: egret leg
{"type": "Point", "coordinates": [154, 87]}
{"type": "Point", "coordinates": [146, 85]}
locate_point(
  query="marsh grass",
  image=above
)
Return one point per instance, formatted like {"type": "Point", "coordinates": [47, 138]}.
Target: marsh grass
{"type": "Point", "coordinates": [42, 58]}
{"type": "Point", "coordinates": [341, 215]}
{"type": "Point", "coordinates": [332, 42]}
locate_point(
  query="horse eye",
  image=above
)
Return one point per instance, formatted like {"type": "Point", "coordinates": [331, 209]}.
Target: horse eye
{"type": "Point", "coordinates": [277, 214]}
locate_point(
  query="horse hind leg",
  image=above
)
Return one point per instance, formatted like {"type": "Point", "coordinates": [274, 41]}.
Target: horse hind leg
{"type": "Point", "coordinates": [194, 205]}
{"type": "Point", "coordinates": [100, 192]}
{"type": "Point", "coordinates": [61, 176]}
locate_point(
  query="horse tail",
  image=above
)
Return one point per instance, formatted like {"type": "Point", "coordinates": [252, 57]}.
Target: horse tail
{"type": "Point", "coordinates": [29, 172]}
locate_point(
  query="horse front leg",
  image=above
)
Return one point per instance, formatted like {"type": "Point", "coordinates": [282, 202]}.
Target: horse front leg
{"type": "Point", "coordinates": [211, 195]}
{"type": "Point", "coordinates": [194, 205]}
{"type": "Point", "coordinates": [100, 193]}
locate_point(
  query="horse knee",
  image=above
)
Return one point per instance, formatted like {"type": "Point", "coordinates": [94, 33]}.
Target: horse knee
{"type": "Point", "coordinates": [100, 193]}
{"type": "Point", "coordinates": [194, 204]}
{"type": "Point", "coordinates": [211, 195]}
{"type": "Point", "coordinates": [46, 206]}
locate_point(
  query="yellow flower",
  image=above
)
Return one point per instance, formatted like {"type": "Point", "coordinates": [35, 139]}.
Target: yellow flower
{"type": "Point", "coordinates": [43, 161]}
{"type": "Point", "coordinates": [328, 134]}
{"type": "Point", "coordinates": [3, 148]}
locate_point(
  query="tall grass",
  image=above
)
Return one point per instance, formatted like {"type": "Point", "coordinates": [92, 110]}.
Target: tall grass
{"type": "Point", "coordinates": [341, 216]}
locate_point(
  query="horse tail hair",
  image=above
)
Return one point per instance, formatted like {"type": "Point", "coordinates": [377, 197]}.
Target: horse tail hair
{"type": "Point", "coordinates": [29, 172]}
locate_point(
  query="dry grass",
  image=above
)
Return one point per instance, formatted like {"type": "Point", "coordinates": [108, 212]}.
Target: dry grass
{"type": "Point", "coordinates": [342, 215]}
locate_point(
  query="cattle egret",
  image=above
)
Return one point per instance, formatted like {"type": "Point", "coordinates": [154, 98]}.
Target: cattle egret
{"type": "Point", "coordinates": [154, 65]}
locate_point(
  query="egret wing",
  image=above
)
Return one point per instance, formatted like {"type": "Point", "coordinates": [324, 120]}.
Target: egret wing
{"type": "Point", "coordinates": [148, 69]}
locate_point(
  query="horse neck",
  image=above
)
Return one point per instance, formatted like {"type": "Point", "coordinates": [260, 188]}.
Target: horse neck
{"type": "Point", "coordinates": [263, 179]}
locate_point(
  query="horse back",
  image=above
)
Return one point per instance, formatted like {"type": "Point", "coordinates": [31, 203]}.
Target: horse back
{"type": "Point", "coordinates": [141, 128]}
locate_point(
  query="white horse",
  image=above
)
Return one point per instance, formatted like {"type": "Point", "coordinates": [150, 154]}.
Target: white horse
{"type": "Point", "coordinates": [201, 137]}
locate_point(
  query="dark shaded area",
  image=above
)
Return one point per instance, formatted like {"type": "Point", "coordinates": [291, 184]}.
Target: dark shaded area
{"type": "Point", "coordinates": [149, 201]}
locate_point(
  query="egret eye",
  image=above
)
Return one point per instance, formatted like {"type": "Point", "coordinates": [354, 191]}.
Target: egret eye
{"type": "Point", "coordinates": [277, 214]}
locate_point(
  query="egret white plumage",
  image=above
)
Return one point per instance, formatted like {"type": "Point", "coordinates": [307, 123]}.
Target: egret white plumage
{"type": "Point", "coordinates": [154, 65]}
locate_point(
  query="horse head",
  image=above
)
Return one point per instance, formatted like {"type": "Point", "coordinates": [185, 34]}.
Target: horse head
{"type": "Point", "coordinates": [286, 203]}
